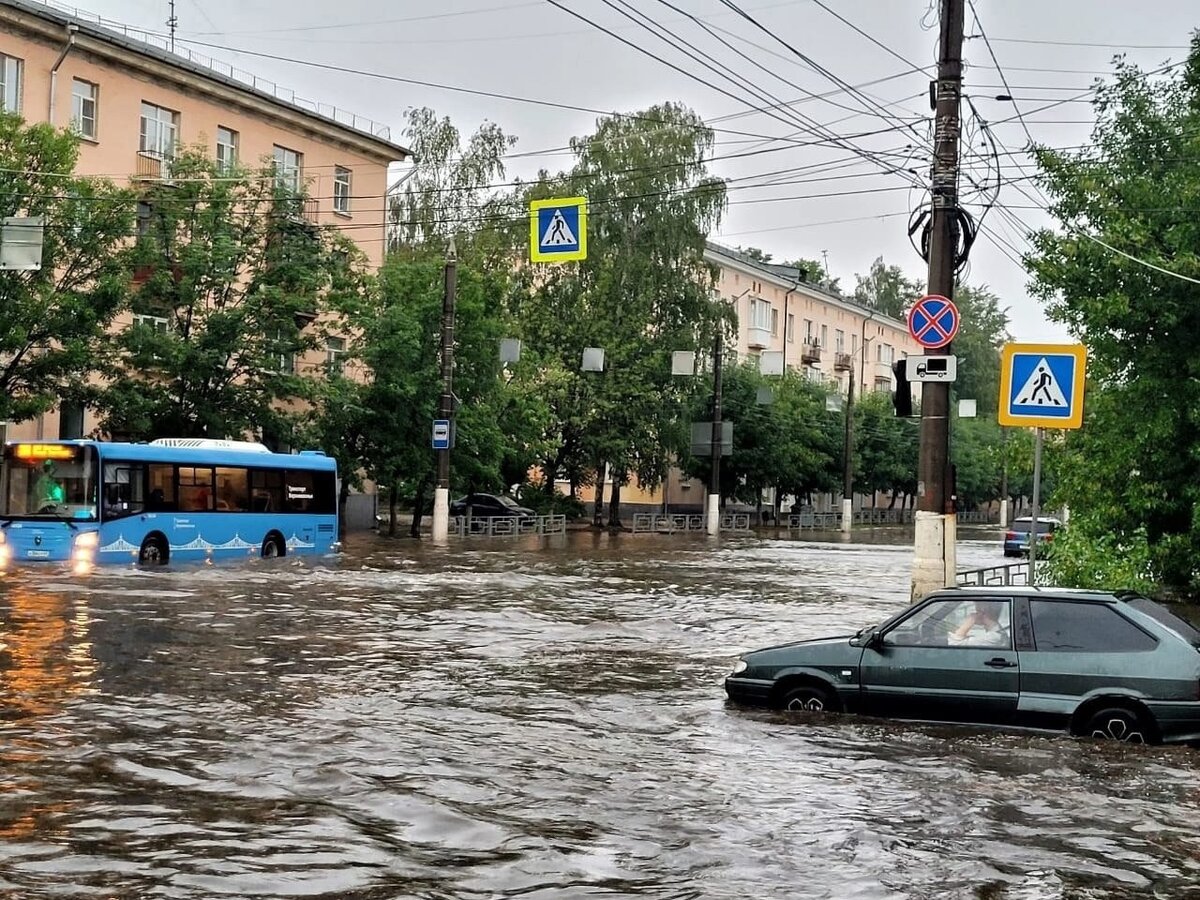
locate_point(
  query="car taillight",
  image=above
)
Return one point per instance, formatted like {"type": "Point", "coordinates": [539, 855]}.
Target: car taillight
{"type": "Point", "coordinates": [1010, 536]}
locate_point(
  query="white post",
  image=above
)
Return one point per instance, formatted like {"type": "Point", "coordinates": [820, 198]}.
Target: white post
{"type": "Point", "coordinates": [714, 514]}
{"type": "Point", "coordinates": [1004, 513]}
{"type": "Point", "coordinates": [847, 515]}
{"type": "Point", "coordinates": [441, 515]}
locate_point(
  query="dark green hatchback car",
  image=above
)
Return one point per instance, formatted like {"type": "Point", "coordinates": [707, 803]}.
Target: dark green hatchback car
{"type": "Point", "coordinates": [1116, 666]}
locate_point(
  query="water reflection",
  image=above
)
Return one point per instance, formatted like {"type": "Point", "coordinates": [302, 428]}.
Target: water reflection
{"type": "Point", "coordinates": [490, 721]}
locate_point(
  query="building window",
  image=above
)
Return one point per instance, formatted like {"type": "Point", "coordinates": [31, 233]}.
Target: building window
{"type": "Point", "coordinates": [160, 131]}
{"type": "Point", "coordinates": [341, 191]}
{"type": "Point", "coordinates": [12, 71]}
{"type": "Point", "coordinates": [760, 314]}
{"type": "Point", "coordinates": [824, 335]}
{"type": "Point", "coordinates": [85, 97]}
{"type": "Point", "coordinates": [282, 356]}
{"type": "Point", "coordinates": [839, 340]}
{"type": "Point", "coordinates": [159, 324]}
{"type": "Point", "coordinates": [774, 323]}
{"type": "Point", "coordinates": [854, 343]}
{"type": "Point", "coordinates": [335, 350]}
{"type": "Point", "coordinates": [808, 332]}
{"type": "Point", "coordinates": [886, 354]}
{"type": "Point", "coordinates": [288, 167]}
{"type": "Point", "coordinates": [227, 148]}
{"type": "Point", "coordinates": [791, 329]}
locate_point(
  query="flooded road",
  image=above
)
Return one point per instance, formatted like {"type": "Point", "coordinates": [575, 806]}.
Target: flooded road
{"type": "Point", "coordinates": [493, 722]}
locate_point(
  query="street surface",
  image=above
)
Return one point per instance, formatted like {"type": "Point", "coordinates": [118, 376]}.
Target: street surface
{"type": "Point", "coordinates": [494, 722]}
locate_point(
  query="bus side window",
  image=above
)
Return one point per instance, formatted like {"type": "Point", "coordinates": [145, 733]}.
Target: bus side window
{"type": "Point", "coordinates": [266, 490]}
{"type": "Point", "coordinates": [195, 489]}
{"type": "Point", "coordinates": [162, 489]}
{"type": "Point", "coordinates": [300, 491]}
{"type": "Point", "coordinates": [124, 489]}
{"type": "Point", "coordinates": [233, 493]}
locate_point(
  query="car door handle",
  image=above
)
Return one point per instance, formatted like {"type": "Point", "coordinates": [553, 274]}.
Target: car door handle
{"type": "Point", "coordinates": [999, 662]}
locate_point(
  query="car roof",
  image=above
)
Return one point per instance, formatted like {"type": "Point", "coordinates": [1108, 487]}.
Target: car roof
{"type": "Point", "coordinates": [1040, 519]}
{"type": "Point", "coordinates": [1056, 593]}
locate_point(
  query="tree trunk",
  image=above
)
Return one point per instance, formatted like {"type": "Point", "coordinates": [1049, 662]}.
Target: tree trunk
{"type": "Point", "coordinates": [598, 497]}
{"type": "Point", "coordinates": [419, 506]}
{"type": "Point", "coordinates": [393, 491]}
{"type": "Point", "coordinates": [614, 504]}
{"type": "Point", "coordinates": [895, 495]}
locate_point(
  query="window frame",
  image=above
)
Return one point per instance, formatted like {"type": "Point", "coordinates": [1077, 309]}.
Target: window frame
{"type": "Point", "coordinates": [77, 113]}
{"type": "Point", "coordinates": [169, 126]}
{"type": "Point", "coordinates": [342, 190]}
{"type": "Point", "coordinates": [288, 176]}
{"type": "Point", "coordinates": [227, 161]}
{"type": "Point", "coordinates": [17, 88]}
{"type": "Point", "coordinates": [890, 627]}
{"type": "Point", "coordinates": [159, 324]}
{"type": "Point", "coordinates": [335, 356]}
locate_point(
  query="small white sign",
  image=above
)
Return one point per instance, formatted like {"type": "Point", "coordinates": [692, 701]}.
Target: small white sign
{"type": "Point", "coordinates": [967, 409]}
{"type": "Point", "coordinates": [941, 369]}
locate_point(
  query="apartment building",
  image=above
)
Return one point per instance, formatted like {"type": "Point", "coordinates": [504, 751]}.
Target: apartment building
{"type": "Point", "coordinates": [824, 335]}
{"type": "Point", "coordinates": [134, 104]}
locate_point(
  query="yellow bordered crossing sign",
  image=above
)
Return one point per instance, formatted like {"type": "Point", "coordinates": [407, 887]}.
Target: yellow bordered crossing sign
{"type": "Point", "coordinates": [1041, 385]}
{"type": "Point", "coordinates": [558, 230]}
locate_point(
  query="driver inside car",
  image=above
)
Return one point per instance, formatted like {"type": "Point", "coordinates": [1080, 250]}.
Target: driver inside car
{"type": "Point", "coordinates": [981, 628]}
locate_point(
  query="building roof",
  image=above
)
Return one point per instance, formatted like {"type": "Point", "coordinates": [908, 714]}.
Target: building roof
{"type": "Point", "coordinates": [367, 135]}
{"type": "Point", "coordinates": [790, 276]}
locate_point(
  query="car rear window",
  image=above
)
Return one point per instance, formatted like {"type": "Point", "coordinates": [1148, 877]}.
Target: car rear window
{"type": "Point", "coordinates": [1085, 628]}
{"type": "Point", "coordinates": [1026, 526]}
{"type": "Point", "coordinates": [1164, 616]}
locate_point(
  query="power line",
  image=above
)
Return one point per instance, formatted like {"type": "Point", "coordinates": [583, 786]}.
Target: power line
{"type": "Point", "coordinates": [921, 70]}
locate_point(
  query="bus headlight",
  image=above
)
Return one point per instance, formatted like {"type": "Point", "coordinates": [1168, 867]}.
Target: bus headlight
{"type": "Point", "coordinates": [85, 545]}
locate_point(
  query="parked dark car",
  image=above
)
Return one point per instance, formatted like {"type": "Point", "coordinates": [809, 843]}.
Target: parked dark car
{"type": "Point", "coordinates": [484, 506]}
{"type": "Point", "coordinates": [1016, 538]}
{"type": "Point", "coordinates": [1105, 665]}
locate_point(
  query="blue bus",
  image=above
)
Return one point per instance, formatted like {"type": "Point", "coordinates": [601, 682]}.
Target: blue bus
{"type": "Point", "coordinates": [85, 502]}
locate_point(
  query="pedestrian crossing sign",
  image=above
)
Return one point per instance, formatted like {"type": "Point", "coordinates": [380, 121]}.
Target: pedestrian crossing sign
{"type": "Point", "coordinates": [558, 230]}
{"type": "Point", "coordinates": [1041, 385]}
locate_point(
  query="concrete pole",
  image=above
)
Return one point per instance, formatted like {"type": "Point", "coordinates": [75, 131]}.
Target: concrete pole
{"type": "Point", "coordinates": [441, 494]}
{"type": "Point", "coordinates": [1037, 496]}
{"type": "Point", "coordinates": [934, 562]}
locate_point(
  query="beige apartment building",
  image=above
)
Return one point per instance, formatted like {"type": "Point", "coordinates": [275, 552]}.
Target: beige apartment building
{"type": "Point", "coordinates": [135, 104]}
{"type": "Point", "coordinates": [816, 332]}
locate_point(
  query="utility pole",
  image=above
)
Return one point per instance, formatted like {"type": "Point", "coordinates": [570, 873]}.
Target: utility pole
{"type": "Point", "coordinates": [441, 495]}
{"type": "Point", "coordinates": [172, 24]}
{"type": "Point", "coordinates": [848, 460]}
{"type": "Point", "coordinates": [714, 481]}
{"type": "Point", "coordinates": [1004, 477]}
{"type": "Point", "coordinates": [935, 564]}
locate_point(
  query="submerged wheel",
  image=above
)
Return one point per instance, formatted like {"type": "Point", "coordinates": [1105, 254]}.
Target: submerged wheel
{"type": "Point", "coordinates": [808, 698]}
{"type": "Point", "coordinates": [1119, 723]}
{"type": "Point", "coordinates": [154, 551]}
{"type": "Point", "coordinates": [273, 547]}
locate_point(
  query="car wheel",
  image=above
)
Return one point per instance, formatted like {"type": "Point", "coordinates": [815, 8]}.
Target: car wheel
{"type": "Point", "coordinates": [808, 698]}
{"type": "Point", "coordinates": [1118, 723]}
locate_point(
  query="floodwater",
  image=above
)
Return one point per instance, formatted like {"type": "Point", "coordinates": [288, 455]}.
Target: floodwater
{"type": "Point", "coordinates": [527, 720]}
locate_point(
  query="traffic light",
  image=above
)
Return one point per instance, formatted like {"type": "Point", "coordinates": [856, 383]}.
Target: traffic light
{"type": "Point", "coordinates": [902, 399]}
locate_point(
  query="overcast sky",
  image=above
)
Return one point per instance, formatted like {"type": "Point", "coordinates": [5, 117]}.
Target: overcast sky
{"type": "Point", "coordinates": [530, 49]}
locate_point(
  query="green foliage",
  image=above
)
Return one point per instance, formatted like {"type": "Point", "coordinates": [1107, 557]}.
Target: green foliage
{"type": "Point", "coordinates": [886, 447]}
{"type": "Point", "coordinates": [1089, 554]}
{"type": "Point", "coordinates": [984, 330]}
{"type": "Point", "coordinates": [1132, 475]}
{"type": "Point", "coordinates": [887, 289]}
{"type": "Point", "coordinates": [816, 273]}
{"type": "Point", "coordinates": [53, 321]}
{"type": "Point", "coordinates": [227, 260]}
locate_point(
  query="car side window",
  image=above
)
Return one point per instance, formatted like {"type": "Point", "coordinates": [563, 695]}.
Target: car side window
{"type": "Point", "coordinates": [1085, 628]}
{"type": "Point", "coordinates": [955, 623]}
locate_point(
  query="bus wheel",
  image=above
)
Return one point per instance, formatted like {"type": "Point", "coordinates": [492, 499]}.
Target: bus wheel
{"type": "Point", "coordinates": [273, 546]}
{"type": "Point", "coordinates": [154, 551]}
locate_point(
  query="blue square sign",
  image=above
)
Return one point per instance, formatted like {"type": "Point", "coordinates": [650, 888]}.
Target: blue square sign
{"type": "Point", "coordinates": [1041, 385]}
{"type": "Point", "coordinates": [558, 230]}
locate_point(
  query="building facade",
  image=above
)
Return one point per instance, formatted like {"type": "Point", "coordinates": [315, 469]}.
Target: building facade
{"type": "Point", "coordinates": [135, 105]}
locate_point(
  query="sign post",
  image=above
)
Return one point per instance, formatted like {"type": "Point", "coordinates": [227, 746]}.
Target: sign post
{"type": "Point", "coordinates": [1041, 386]}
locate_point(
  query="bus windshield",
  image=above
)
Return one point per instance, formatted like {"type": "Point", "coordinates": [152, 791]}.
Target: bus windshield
{"type": "Point", "coordinates": [48, 481]}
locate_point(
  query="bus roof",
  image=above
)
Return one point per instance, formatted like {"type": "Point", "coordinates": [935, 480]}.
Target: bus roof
{"type": "Point", "coordinates": [114, 450]}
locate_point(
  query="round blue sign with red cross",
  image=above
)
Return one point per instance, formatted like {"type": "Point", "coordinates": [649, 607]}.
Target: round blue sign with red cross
{"type": "Point", "coordinates": [933, 321]}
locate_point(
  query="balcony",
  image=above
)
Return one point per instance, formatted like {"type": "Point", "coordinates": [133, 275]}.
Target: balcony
{"type": "Point", "coordinates": [810, 353]}
{"type": "Point", "coordinates": [842, 362]}
{"type": "Point", "coordinates": [153, 166]}
{"type": "Point", "coordinates": [297, 209]}
{"type": "Point", "coordinates": [758, 338]}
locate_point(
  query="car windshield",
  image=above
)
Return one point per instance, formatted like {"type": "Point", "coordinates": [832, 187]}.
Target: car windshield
{"type": "Point", "coordinates": [1024, 526]}
{"type": "Point", "coordinates": [509, 502]}
{"type": "Point", "coordinates": [48, 481]}
{"type": "Point", "coordinates": [1164, 616]}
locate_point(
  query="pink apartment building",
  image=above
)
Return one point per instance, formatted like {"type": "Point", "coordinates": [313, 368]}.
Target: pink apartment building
{"type": "Point", "coordinates": [134, 103]}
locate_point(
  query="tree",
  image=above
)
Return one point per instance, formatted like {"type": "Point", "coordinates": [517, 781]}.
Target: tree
{"type": "Point", "coordinates": [232, 284]}
{"type": "Point", "coordinates": [983, 331]}
{"type": "Point", "coordinates": [53, 321]}
{"type": "Point", "coordinates": [449, 192]}
{"type": "Point", "coordinates": [887, 289]}
{"type": "Point", "coordinates": [1132, 474]}
{"type": "Point", "coordinates": [643, 292]}
{"type": "Point", "coordinates": [814, 272]}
